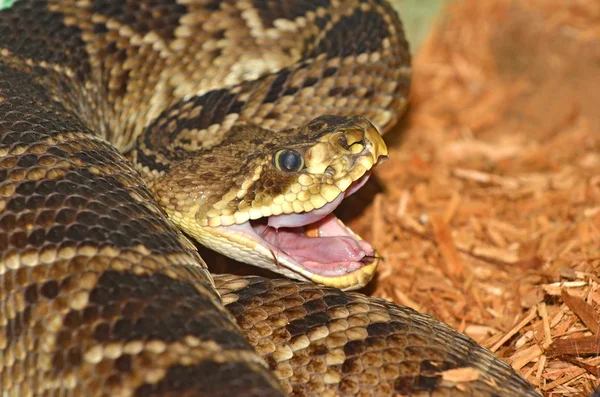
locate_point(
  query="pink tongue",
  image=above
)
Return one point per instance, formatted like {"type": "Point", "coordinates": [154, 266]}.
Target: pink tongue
{"type": "Point", "coordinates": [322, 250]}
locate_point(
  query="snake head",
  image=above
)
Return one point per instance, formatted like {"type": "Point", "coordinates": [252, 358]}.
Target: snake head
{"type": "Point", "coordinates": [266, 198]}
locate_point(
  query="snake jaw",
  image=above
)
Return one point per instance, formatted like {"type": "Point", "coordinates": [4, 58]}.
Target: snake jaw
{"type": "Point", "coordinates": [281, 219]}
{"type": "Point", "coordinates": [291, 252]}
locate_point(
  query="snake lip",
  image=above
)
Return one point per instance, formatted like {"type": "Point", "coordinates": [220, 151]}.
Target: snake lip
{"type": "Point", "coordinates": [311, 217]}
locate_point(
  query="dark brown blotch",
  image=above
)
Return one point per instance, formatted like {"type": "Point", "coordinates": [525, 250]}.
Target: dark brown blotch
{"type": "Point", "coordinates": [405, 385]}
{"type": "Point", "coordinates": [124, 363]}
{"type": "Point", "coordinates": [31, 294]}
{"type": "Point", "coordinates": [209, 378]}
{"type": "Point", "coordinates": [344, 39]}
{"type": "Point", "coordinates": [136, 307]}
{"type": "Point", "coordinates": [314, 306]}
{"type": "Point", "coordinates": [278, 86]}
{"type": "Point", "coordinates": [144, 16]}
{"type": "Point", "coordinates": [354, 348]}
{"type": "Point", "coordinates": [50, 289]}
{"type": "Point", "coordinates": [16, 326]}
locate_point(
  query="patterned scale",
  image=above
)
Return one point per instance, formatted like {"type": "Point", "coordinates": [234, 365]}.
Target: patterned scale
{"type": "Point", "coordinates": [100, 293]}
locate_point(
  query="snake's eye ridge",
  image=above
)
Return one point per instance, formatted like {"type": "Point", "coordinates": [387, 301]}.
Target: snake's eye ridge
{"type": "Point", "coordinates": [288, 160]}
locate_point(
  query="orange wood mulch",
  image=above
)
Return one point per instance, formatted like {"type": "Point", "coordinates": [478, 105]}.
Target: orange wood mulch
{"type": "Point", "coordinates": [488, 211]}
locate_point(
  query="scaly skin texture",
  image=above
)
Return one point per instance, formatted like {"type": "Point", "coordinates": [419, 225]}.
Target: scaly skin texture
{"type": "Point", "coordinates": [323, 342]}
{"type": "Point", "coordinates": [100, 294]}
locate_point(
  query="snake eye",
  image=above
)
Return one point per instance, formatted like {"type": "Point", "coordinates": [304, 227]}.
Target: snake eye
{"type": "Point", "coordinates": [288, 160]}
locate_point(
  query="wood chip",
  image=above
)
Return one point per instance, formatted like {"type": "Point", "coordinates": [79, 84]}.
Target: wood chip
{"type": "Point", "coordinates": [557, 288]}
{"type": "Point", "coordinates": [454, 267]}
{"type": "Point", "coordinates": [592, 369]}
{"type": "Point", "coordinates": [452, 207]}
{"type": "Point", "coordinates": [583, 310]}
{"type": "Point", "coordinates": [378, 224]}
{"type": "Point", "coordinates": [575, 346]}
{"type": "Point", "coordinates": [547, 333]}
{"type": "Point", "coordinates": [526, 356]}
{"type": "Point", "coordinates": [564, 380]}
{"type": "Point", "coordinates": [540, 369]}
{"type": "Point", "coordinates": [528, 317]}
{"type": "Point", "coordinates": [486, 178]}
{"type": "Point", "coordinates": [461, 375]}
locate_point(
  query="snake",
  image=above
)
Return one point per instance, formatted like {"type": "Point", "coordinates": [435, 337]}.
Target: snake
{"type": "Point", "coordinates": [131, 131]}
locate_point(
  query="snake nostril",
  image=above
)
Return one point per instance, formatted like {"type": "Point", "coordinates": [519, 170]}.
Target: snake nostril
{"type": "Point", "coordinates": [344, 142]}
{"type": "Point", "coordinates": [352, 140]}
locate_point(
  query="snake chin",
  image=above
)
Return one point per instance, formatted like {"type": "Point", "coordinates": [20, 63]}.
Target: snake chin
{"type": "Point", "coordinates": [315, 242]}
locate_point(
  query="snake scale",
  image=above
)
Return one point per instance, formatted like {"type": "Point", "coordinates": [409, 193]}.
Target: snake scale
{"type": "Point", "coordinates": [249, 121]}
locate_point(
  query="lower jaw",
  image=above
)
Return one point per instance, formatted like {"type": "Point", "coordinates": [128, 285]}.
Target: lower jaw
{"type": "Point", "coordinates": [351, 281]}
{"type": "Point", "coordinates": [249, 248]}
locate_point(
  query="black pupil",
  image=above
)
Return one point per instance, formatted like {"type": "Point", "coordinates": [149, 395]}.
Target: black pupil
{"type": "Point", "coordinates": [290, 160]}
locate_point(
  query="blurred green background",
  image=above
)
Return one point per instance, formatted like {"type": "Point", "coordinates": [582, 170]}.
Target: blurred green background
{"type": "Point", "coordinates": [418, 17]}
{"type": "Point", "coordinates": [6, 3]}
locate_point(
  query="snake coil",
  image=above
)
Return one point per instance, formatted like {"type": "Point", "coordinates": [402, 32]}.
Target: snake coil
{"type": "Point", "coordinates": [101, 295]}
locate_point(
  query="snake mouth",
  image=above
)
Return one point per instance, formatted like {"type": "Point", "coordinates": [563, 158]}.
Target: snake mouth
{"type": "Point", "coordinates": [315, 244]}
{"type": "Point", "coordinates": [317, 240]}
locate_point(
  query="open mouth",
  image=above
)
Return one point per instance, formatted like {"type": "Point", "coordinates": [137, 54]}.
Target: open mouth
{"type": "Point", "coordinates": [315, 242]}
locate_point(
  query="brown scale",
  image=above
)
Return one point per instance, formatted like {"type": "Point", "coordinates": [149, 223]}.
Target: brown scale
{"type": "Point", "coordinates": [100, 295]}
{"type": "Point", "coordinates": [323, 342]}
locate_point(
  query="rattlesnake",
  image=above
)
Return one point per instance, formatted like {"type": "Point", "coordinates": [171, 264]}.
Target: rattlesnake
{"type": "Point", "coordinates": [235, 112]}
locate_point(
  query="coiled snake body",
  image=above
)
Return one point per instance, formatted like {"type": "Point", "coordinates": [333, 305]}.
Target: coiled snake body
{"type": "Point", "coordinates": [216, 103]}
